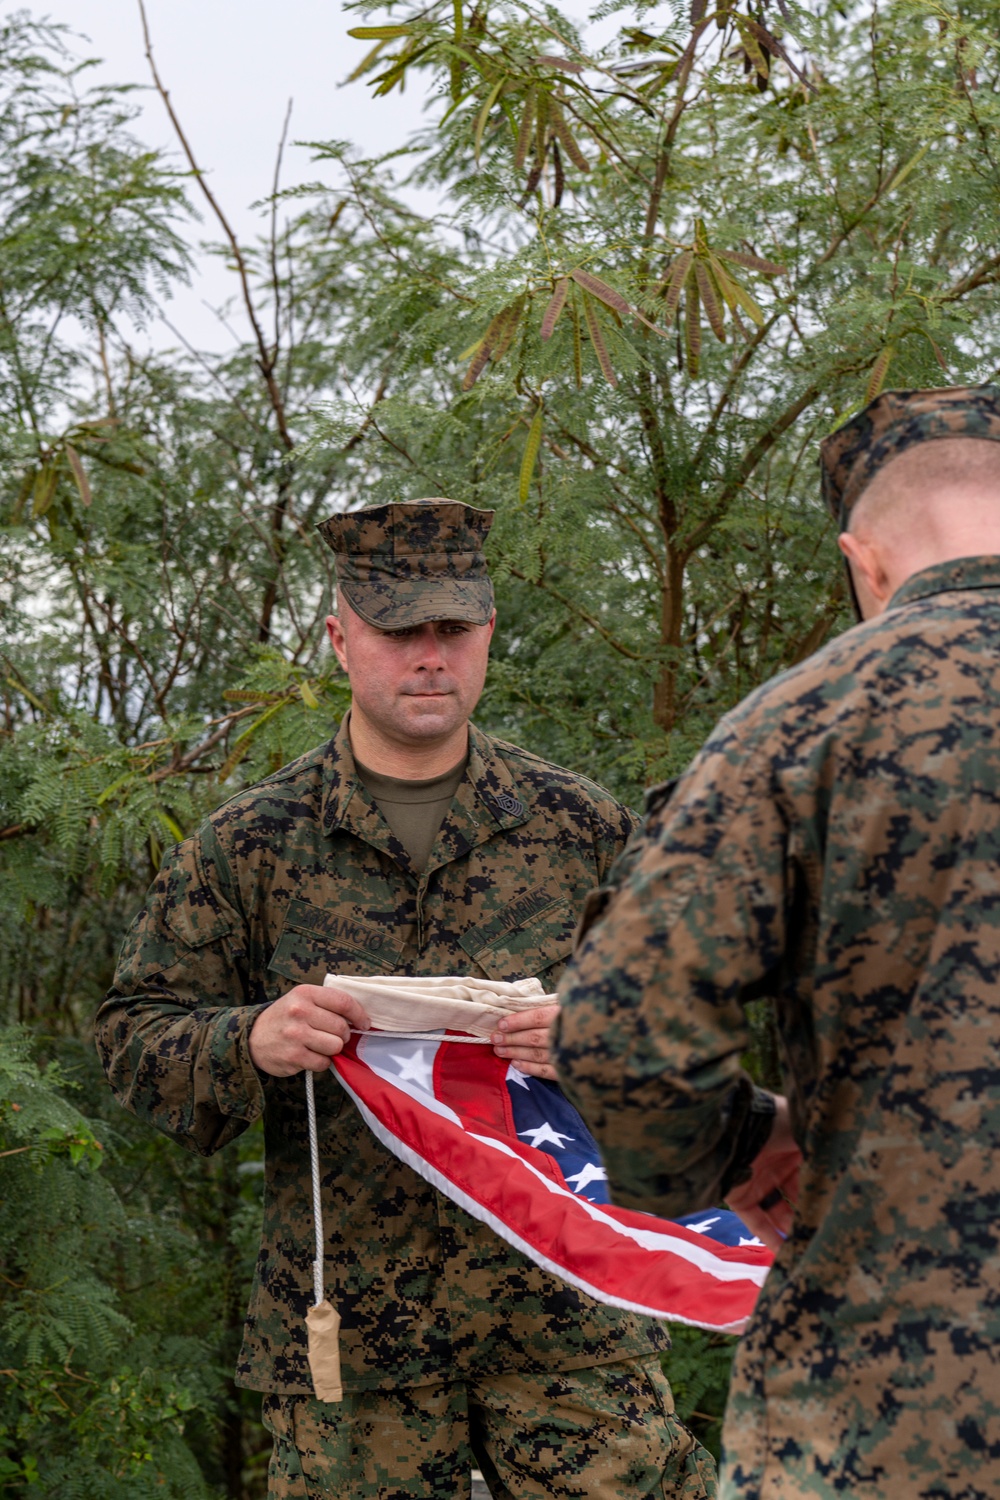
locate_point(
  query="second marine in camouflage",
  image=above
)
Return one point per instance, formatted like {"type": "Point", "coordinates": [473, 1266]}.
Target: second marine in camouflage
{"type": "Point", "coordinates": [836, 844]}
{"type": "Point", "coordinates": [448, 1336]}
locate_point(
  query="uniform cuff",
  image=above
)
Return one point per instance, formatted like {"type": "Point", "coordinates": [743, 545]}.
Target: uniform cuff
{"type": "Point", "coordinates": [237, 1086]}
{"type": "Point", "coordinates": [752, 1114]}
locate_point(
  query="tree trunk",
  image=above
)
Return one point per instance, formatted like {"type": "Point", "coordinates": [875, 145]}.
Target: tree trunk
{"type": "Point", "coordinates": [671, 625]}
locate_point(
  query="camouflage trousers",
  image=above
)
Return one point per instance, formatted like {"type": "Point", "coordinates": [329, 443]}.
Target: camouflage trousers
{"type": "Point", "coordinates": [604, 1433]}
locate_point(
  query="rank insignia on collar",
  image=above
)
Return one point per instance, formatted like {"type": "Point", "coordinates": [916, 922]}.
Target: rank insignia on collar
{"type": "Point", "coordinates": [507, 803]}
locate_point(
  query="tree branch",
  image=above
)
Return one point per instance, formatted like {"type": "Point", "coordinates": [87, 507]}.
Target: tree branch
{"type": "Point", "coordinates": [580, 613]}
{"type": "Point", "coordinates": [747, 465]}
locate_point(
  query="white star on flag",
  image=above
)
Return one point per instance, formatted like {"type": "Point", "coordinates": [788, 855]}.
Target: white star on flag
{"type": "Point", "coordinates": [544, 1135]}
{"type": "Point", "coordinates": [704, 1226]}
{"type": "Point", "coordinates": [514, 1075]}
{"type": "Point", "coordinates": [588, 1174]}
{"type": "Point", "coordinates": [416, 1068]}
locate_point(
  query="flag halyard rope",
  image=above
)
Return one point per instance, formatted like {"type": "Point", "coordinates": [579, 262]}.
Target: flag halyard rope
{"type": "Point", "coordinates": [317, 1204]}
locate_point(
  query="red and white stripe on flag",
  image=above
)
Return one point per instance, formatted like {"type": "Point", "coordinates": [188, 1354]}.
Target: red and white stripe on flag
{"type": "Point", "coordinates": [514, 1153]}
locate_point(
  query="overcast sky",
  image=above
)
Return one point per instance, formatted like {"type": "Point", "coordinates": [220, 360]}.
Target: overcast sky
{"type": "Point", "coordinates": [231, 67]}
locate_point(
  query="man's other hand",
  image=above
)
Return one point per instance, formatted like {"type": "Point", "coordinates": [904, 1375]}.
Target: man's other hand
{"type": "Point", "coordinates": [523, 1039]}
{"type": "Point", "coordinates": [766, 1202]}
{"type": "Point", "coordinates": [304, 1029]}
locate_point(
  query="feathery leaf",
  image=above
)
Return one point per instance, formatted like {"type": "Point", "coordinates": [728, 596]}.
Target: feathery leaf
{"type": "Point", "coordinates": [674, 280]}
{"type": "Point", "coordinates": [483, 351]}
{"type": "Point", "coordinates": [709, 300]}
{"type": "Point", "coordinates": [567, 139]}
{"type": "Point", "coordinates": [879, 372]}
{"type": "Point", "coordinates": [242, 743]}
{"type": "Point", "coordinates": [737, 295]}
{"type": "Point", "coordinates": [601, 291]}
{"type": "Point", "coordinates": [542, 105]}
{"type": "Point", "coordinates": [44, 489]}
{"type": "Point", "coordinates": [558, 177]}
{"type": "Point", "coordinates": [692, 328]}
{"type": "Point", "coordinates": [491, 99]}
{"type": "Point", "coordinates": [597, 339]}
{"type": "Point", "coordinates": [524, 134]}
{"type": "Point", "coordinates": [79, 474]}
{"type": "Point", "coordinates": [366, 62]}
{"type": "Point", "coordinates": [379, 33]}
{"type": "Point", "coordinates": [548, 61]}
{"type": "Point", "coordinates": [530, 458]}
{"type": "Point", "coordinates": [557, 302]}
{"type": "Point", "coordinates": [752, 262]}
{"type": "Point", "coordinates": [501, 329]}
{"type": "Point", "coordinates": [506, 335]}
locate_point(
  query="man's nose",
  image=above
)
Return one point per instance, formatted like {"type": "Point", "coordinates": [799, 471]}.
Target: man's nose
{"type": "Point", "coordinates": [430, 654]}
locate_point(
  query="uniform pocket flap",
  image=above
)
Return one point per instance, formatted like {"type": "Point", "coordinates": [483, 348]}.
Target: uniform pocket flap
{"type": "Point", "coordinates": [527, 936]}
{"type": "Point", "coordinates": [194, 908]}
{"type": "Point", "coordinates": [315, 942]}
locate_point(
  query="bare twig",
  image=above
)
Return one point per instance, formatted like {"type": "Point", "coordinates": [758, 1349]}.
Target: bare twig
{"type": "Point", "coordinates": [266, 356]}
{"type": "Point", "coordinates": [275, 279]}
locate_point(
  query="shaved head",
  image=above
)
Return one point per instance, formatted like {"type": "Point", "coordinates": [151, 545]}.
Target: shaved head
{"type": "Point", "coordinates": [949, 473]}
{"type": "Point", "coordinates": [932, 503]}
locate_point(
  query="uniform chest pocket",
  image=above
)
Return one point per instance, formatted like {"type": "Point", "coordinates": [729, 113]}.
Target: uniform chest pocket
{"type": "Point", "coordinates": [315, 942]}
{"type": "Point", "coordinates": [532, 936]}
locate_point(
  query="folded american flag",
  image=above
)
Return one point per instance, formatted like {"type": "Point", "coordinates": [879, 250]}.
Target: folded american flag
{"type": "Point", "coordinates": [514, 1153]}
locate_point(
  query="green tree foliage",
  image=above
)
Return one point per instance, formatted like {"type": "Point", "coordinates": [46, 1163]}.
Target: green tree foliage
{"type": "Point", "coordinates": [688, 255]}
{"type": "Point", "coordinates": [660, 269]}
{"type": "Point", "coordinates": [90, 1406]}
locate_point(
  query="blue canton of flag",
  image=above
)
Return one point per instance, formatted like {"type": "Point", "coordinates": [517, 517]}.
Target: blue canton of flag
{"type": "Point", "coordinates": [544, 1117]}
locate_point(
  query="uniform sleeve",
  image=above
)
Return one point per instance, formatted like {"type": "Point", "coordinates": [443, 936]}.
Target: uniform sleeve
{"type": "Point", "coordinates": [613, 831]}
{"type": "Point", "coordinates": [172, 1033]}
{"type": "Point", "coordinates": [652, 1022]}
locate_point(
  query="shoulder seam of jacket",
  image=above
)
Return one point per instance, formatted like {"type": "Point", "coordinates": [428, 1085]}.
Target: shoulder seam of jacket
{"type": "Point", "coordinates": [287, 773]}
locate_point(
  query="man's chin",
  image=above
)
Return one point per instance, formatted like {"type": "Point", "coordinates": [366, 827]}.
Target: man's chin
{"type": "Point", "coordinates": [429, 721]}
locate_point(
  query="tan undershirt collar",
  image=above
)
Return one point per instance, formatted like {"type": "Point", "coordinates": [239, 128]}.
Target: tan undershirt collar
{"type": "Point", "coordinates": [414, 810]}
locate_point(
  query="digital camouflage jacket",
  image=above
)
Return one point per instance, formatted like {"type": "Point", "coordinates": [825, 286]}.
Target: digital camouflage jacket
{"type": "Point", "coordinates": [837, 845]}
{"type": "Point", "coordinates": [301, 876]}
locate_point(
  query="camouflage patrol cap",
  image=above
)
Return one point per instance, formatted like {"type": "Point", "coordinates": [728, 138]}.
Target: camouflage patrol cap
{"type": "Point", "coordinates": [417, 560]}
{"type": "Point", "coordinates": [852, 456]}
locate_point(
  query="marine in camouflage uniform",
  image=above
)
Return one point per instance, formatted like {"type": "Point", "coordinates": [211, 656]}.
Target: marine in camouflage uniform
{"type": "Point", "coordinates": [448, 1335]}
{"type": "Point", "coordinates": [836, 844]}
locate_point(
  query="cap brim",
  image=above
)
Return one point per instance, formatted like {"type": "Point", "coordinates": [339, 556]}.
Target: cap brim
{"type": "Point", "coordinates": [416, 602]}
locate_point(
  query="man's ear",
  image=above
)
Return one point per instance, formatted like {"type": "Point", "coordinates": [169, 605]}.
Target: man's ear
{"type": "Point", "coordinates": [338, 639]}
{"type": "Point", "coordinates": [871, 580]}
